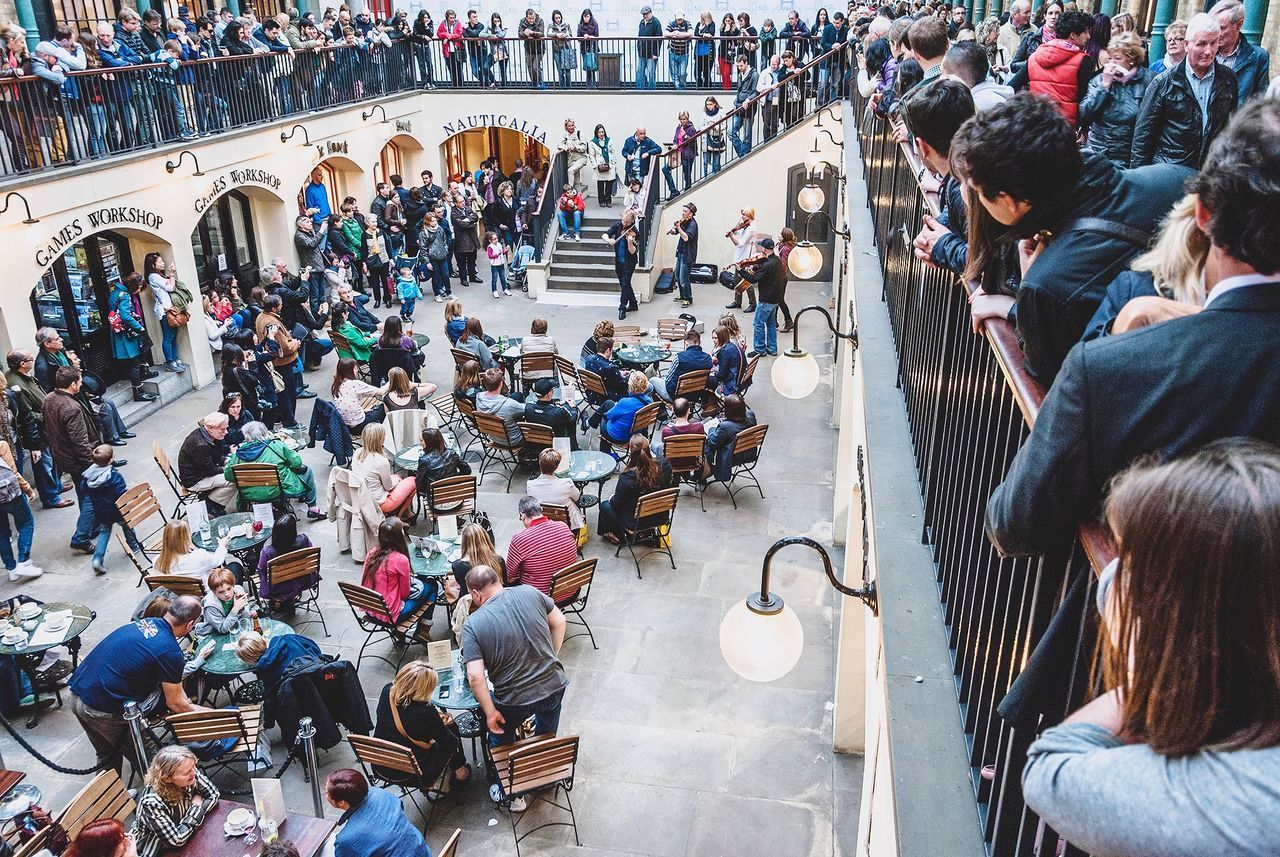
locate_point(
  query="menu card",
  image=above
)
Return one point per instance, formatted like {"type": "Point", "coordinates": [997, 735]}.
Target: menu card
{"type": "Point", "coordinates": [197, 516]}
{"type": "Point", "coordinates": [268, 799]}
{"type": "Point", "coordinates": [448, 527]}
{"type": "Point", "coordinates": [440, 655]}
{"type": "Point", "coordinates": [262, 512]}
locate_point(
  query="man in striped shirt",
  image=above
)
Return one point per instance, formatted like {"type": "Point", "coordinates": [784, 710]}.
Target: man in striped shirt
{"type": "Point", "coordinates": [541, 549]}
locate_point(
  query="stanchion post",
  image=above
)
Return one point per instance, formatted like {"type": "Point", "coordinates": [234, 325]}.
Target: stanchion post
{"type": "Point", "coordinates": [307, 734]}
{"type": "Point", "coordinates": [133, 717]}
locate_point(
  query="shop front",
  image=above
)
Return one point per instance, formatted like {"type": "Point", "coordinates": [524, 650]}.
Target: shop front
{"type": "Point", "coordinates": [223, 240]}
{"type": "Point", "coordinates": [71, 297]}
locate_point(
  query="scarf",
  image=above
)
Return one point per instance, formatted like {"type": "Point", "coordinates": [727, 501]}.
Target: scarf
{"type": "Point", "coordinates": [603, 146]}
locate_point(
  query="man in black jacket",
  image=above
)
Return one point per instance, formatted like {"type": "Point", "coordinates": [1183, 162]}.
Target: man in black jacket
{"type": "Point", "coordinates": [744, 103]}
{"type": "Point", "coordinates": [770, 282]}
{"type": "Point", "coordinates": [1076, 220]}
{"type": "Point", "coordinates": [557, 415]}
{"type": "Point", "coordinates": [1217, 376]}
{"type": "Point", "coordinates": [933, 114]}
{"type": "Point", "coordinates": [201, 459]}
{"type": "Point", "coordinates": [1188, 105]}
{"type": "Point", "coordinates": [295, 311]}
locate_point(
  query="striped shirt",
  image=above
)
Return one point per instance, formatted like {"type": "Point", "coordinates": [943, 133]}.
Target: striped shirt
{"type": "Point", "coordinates": [159, 826]}
{"type": "Point", "coordinates": [540, 550]}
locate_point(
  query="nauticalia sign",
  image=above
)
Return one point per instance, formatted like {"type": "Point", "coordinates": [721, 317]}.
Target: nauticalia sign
{"type": "Point", "coordinates": [496, 120]}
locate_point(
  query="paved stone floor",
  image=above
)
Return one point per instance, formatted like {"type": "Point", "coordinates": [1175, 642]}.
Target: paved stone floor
{"type": "Point", "coordinates": [679, 755]}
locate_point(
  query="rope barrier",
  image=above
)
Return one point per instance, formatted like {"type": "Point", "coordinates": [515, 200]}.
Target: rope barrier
{"type": "Point", "coordinates": [54, 765]}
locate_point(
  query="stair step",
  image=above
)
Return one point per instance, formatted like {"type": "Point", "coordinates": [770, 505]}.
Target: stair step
{"type": "Point", "coordinates": [169, 387]}
{"type": "Point", "coordinates": [578, 256]}
{"type": "Point", "coordinates": [599, 271]}
{"type": "Point", "coordinates": [590, 284]}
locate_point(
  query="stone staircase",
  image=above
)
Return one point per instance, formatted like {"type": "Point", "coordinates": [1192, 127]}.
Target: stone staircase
{"type": "Point", "coordinates": [169, 386]}
{"type": "Point", "coordinates": [586, 265]}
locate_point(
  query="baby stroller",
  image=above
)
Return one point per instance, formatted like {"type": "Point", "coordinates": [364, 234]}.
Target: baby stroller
{"type": "Point", "coordinates": [520, 265]}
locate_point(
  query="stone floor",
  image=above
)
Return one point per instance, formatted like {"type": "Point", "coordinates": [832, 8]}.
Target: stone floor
{"type": "Point", "coordinates": [679, 756]}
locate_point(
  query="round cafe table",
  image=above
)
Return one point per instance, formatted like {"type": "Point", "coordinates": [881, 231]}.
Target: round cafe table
{"type": "Point", "coordinates": [420, 340]}
{"type": "Point", "coordinates": [407, 458]}
{"type": "Point", "coordinates": [437, 565]}
{"type": "Point", "coordinates": [244, 548]}
{"type": "Point", "coordinates": [642, 355]}
{"type": "Point", "coordinates": [29, 654]}
{"type": "Point", "coordinates": [224, 661]}
{"type": "Point", "coordinates": [510, 356]}
{"type": "Point", "coordinates": [587, 466]}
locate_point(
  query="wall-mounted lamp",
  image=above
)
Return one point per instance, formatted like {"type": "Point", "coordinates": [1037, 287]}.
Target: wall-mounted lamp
{"type": "Point", "coordinates": [364, 116]}
{"type": "Point", "coordinates": [795, 372]}
{"type": "Point", "coordinates": [10, 195]}
{"type": "Point", "coordinates": [286, 137]}
{"type": "Point", "coordinates": [811, 198]}
{"type": "Point", "coordinates": [805, 260]}
{"type": "Point", "coordinates": [830, 108]}
{"type": "Point", "coordinates": [170, 166]}
{"type": "Point", "coordinates": [761, 639]}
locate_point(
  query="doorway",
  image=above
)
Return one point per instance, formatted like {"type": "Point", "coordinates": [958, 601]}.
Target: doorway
{"type": "Point", "coordinates": [223, 240]}
{"type": "Point", "coordinates": [71, 297]}
{"type": "Point", "coordinates": [465, 151]}
{"type": "Point", "coordinates": [814, 227]}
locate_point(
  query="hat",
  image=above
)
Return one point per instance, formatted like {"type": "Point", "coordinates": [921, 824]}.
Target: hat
{"type": "Point", "coordinates": [766, 243]}
{"type": "Point", "coordinates": [693, 209]}
{"type": "Point", "coordinates": [679, 16]}
{"type": "Point", "coordinates": [183, 10]}
{"type": "Point", "coordinates": [47, 48]}
{"type": "Point", "coordinates": [542, 386]}
{"type": "Point", "coordinates": [646, 10]}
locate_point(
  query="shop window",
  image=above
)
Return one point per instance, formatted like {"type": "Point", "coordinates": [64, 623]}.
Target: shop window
{"type": "Point", "coordinates": [224, 241]}
{"type": "Point", "coordinates": [389, 164]}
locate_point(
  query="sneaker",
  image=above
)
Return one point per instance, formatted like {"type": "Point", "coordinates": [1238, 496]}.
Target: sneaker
{"type": "Point", "coordinates": [439, 299]}
{"type": "Point", "coordinates": [314, 514]}
{"type": "Point", "coordinates": [82, 547]}
{"type": "Point", "coordinates": [507, 292]}
{"type": "Point", "coordinates": [496, 296]}
{"type": "Point", "coordinates": [98, 567]}
{"type": "Point", "coordinates": [516, 804]}
{"type": "Point", "coordinates": [686, 304]}
{"type": "Point", "coordinates": [25, 570]}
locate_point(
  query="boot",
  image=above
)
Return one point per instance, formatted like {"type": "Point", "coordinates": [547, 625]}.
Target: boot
{"type": "Point", "coordinates": [149, 373]}
{"type": "Point", "coordinates": [140, 394]}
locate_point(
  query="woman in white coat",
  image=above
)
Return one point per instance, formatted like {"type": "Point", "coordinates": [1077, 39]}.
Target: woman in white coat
{"type": "Point", "coordinates": [549, 488]}
{"type": "Point", "coordinates": [604, 160]}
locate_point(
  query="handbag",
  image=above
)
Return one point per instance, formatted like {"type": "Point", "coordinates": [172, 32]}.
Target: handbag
{"type": "Point", "coordinates": [395, 716]}
{"type": "Point", "coordinates": [276, 380]}
{"type": "Point", "coordinates": [176, 318]}
{"type": "Point", "coordinates": [589, 62]}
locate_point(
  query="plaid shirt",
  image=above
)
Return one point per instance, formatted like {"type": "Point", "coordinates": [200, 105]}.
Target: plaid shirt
{"type": "Point", "coordinates": [160, 825]}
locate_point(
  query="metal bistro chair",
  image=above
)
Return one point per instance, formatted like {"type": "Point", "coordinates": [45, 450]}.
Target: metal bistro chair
{"type": "Point", "coordinates": [536, 361]}
{"type": "Point", "coordinates": [453, 495]}
{"type": "Point", "coordinates": [567, 371]}
{"type": "Point", "coordinates": [363, 601]}
{"type": "Point", "coordinates": [592, 387]}
{"type": "Point", "coordinates": [748, 440]}
{"type": "Point", "coordinates": [461, 357]}
{"type": "Point", "coordinates": [498, 448]}
{"type": "Point", "coordinates": [570, 588]}
{"type": "Point", "coordinates": [672, 329]}
{"type": "Point", "coordinates": [653, 511]}
{"type": "Point", "coordinates": [244, 724]}
{"type": "Point", "coordinates": [449, 416]}
{"type": "Point", "coordinates": [143, 566]}
{"type": "Point", "coordinates": [450, 848]}
{"type": "Point", "coordinates": [253, 475]}
{"type": "Point", "coordinates": [558, 512]}
{"type": "Point", "coordinates": [104, 797]}
{"type": "Point", "coordinates": [537, 437]}
{"type": "Point", "coordinates": [389, 755]}
{"type": "Point", "coordinates": [747, 376]}
{"type": "Point", "coordinates": [468, 417]}
{"type": "Point", "coordinates": [185, 497]}
{"type": "Point", "coordinates": [295, 565]}
{"type": "Point", "coordinates": [178, 584]}
{"type": "Point", "coordinates": [642, 423]}
{"type": "Point", "coordinates": [686, 453]}
{"type": "Point", "coordinates": [136, 506]}
{"type": "Point", "coordinates": [539, 769]}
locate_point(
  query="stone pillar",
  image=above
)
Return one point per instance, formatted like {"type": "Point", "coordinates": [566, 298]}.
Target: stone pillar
{"type": "Point", "coordinates": [997, 7]}
{"type": "Point", "coordinates": [1255, 19]}
{"type": "Point", "coordinates": [1109, 7]}
{"type": "Point", "coordinates": [27, 20]}
{"type": "Point", "coordinates": [1165, 10]}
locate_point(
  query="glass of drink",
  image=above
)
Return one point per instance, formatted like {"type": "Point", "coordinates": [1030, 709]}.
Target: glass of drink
{"type": "Point", "coordinates": [223, 529]}
{"type": "Point", "coordinates": [257, 527]}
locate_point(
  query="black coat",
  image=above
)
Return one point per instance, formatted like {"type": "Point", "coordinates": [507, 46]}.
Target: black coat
{"type": "Point", "coordinates": [244, 381]}
{"type": "Point", "coordinates": [628, 491]}
{"type": "Point", "coordinates": [1063, 287]}
{"type": "Point", "coordinates": [26, 426]}
{"type": "Point", "coordinates": [1168, 129]}
{"type": "Point", "coordinates": [951, 251]}
{"type": "Point", "coordinates": [465, 238]}
{"type": "Point", "coordinates": [328, 692]}
{"type": "Point", "coordinates": [200, 457]}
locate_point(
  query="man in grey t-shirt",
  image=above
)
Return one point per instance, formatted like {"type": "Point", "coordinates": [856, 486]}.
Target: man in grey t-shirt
{"type": "Point", "coordinates": [514, 635]}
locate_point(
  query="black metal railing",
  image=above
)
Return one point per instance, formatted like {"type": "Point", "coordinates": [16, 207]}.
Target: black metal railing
{"type": "Point", "coordinates": [544, 215]}
{"type": "Point", "coordinates": [114, 110]}
{"type": "Point", "coordinates": [969, 407]}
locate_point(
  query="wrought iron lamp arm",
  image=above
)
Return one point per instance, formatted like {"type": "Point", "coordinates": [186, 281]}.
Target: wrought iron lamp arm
{"type": "Point", "coordinates": [286, 137]}
{"type": "Point", "coordinates": [171, 166]}
{"type": "Point", "coordinates": [766, 604]}
{"type": "Point", "coordinates": [10, 195]}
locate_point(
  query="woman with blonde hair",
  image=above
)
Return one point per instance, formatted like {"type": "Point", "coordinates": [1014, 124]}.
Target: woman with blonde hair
{"type": "Point", "coordinates": [466, 381]}
{"type": "Point", "coordinates": [407, 717]}
{"type": "Point", "coordinates": [454, 321]}
{"type": "Point", "coordinates": [603, 330]}
{"type": "Point", "coordinates": [179, 555]}
{"type": "Point", "coordinates": [476, 549]}
{"type": "Point", "coordinates": [176, 798]}
{"type": "Point", "coordinates": [1162, 283]}
{"type": "Point", "coordinates": [394, 496]}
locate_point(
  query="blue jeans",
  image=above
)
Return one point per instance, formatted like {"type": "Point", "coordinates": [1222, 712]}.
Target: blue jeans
{"type": "Point", "coordinates": [765, 340]}
{"type": "Point", "coordinates": [678, 64]}
{"type": "Point", "coordinates": [180, 111]}
{"type": "Point", "coordinates": [681, 276]}
{"type": "Point", "coordinates": [20, 509]}
{"type": "Point", "coordinates": [686, 169]}
{"type": "Point", "coordinates": [316, 348]}
{"type": "Point", "coordinates": [740, 135]}
{"type": "Point", "coordinates": [168, 341]}
{"type": "Point", "coordinates": [317, 286]}
{"type": "Point", "coordinates": [647, 73]}
{"type": "Point", "coordinates": [440, 277]}
{"type": "Point", "coordinates": [44, 475]}
{"type": "Point", "coordinates": [710, 163]}
{"type": "Point", "coordinates": [308, 494]}
{"type": "Point", "coordinates": [562, 216]}
{"type": "Point", "coordinates": [85, 520]}
{"type": "Point", "coordinates": [546, 714]}
{"type": "Point", "coordinates": [497, 273]}
{"type": "Point", "coordinates": [406, 307]}
{"type": "Point", "coordinates": [96, 115]}
{"type": "Point", "coordinates": [104, 539]}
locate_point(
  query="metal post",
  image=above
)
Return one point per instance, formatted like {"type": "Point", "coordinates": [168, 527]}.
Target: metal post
{"type": "Point", "coordinates": [1165, 10]}
{"type": "Point", "coordinates": [1255, 20]}
{"type": "Point", "coordinates": [133, 717]}
{"type": "Point", "coordinates": [1109, 7]}
{"type": "Point", "coordinates": [307, 734]}
{"type": "Point", "coordinates": [27, 20]}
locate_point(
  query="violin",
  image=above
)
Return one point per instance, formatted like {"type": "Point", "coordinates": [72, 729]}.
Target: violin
{"type": "Point", "coordinates": [749, 262]}
{"type": "Point", "coordinates": [742, 225]}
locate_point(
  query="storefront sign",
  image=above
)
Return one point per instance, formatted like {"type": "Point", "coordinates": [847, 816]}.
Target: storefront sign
{"type": "Point", "coordinates": [404, 126]}
{"type": "Point", "coordinates": [98, 219]}
{"type": "Point", "coordinates": [236, 178]}
{"type": "Point", "coordinates": [495, 120]}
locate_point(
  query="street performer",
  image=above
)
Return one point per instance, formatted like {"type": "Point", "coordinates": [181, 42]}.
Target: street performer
{"type": "Point", "coordinates": [767, 276]}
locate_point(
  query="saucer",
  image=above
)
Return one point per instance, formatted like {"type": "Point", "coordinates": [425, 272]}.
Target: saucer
{"type": "Point", "coordinates": [56, 625]}
{"type": "Point", "coordinates": [28, 610]}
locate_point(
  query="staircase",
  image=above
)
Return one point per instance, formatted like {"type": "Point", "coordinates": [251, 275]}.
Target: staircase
{"type": "Point", "coordinates": [586, 266]}
{"type": "Point", "coordinates": [169, 386]}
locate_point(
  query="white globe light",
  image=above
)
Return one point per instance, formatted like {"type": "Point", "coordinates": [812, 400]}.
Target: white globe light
{"type": "Point", "coordinates": [805, 260]}
{"type": "Point", "coordinates": [795, 376]}
{"type": "Point", "coordinates": [759, 647]}
{"type": "Point", "coordinates": [811, 198]}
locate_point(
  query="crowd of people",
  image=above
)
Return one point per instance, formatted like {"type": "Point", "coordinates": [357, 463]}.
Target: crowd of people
{"type": "Point", "coordinates": [1117, 209]}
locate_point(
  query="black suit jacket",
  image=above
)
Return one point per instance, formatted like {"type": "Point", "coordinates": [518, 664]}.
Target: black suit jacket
{"type": "Point", "coordinates": [1166, 389]}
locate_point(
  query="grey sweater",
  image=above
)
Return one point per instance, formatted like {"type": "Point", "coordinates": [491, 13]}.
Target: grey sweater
{"type": "Point", "coordinates": [1124, 800]}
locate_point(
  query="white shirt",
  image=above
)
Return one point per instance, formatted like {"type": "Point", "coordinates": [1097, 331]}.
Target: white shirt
{"type": "Point", "coordinates": [375, 470]}
{"type": "Point", "coordinates": [746, 243]}
{"type": "Point", "coordinates": [1240, 282]}
{"type": "Point", "coordinates": [561, 492]}
{"type": "Point", "coordinates": [161, 288]}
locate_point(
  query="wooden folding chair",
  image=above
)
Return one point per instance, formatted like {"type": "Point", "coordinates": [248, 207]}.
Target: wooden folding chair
{"type": "Point", "coordinates": [450, 848]}
{"type": "Point", "coordinates": [627, 334]}
{"type": "Point", "coordinates": [570, 588]}
{"type": "Point", "coordinates": [536, 361]}
{"type": "Point", "coordinates": [747, 376]}
{"type": "Point", "coordinates": [375, 753]}
{"type": "Point", "coordinates": [686, 453]}
{"type": "Point", "coordinates": [672, 329]}
{"type": "Point", "coordinates": [467, 412]}
{"type": "Point", "coordinates": [567, 371]}
{"type": "Point", "coordinates": [538, 769]}
{"type": "Point", "coordinates": [180, 491]}
{"type": "Point", "coordinates": [694, 386]}
{"type": "Point", "coordinates": [178, 584]}
{"type": "Point", "coordinates": [104, 797]}
{"type": "Point", "coordinates": [749, 440]}
{"type": "Point", "coordinates": [498, 447]}
{"type": "Point", "coordinates": [645, 419]}
{"type": "Point", "coordinates": [461, 357]}
{"type": "Point", "coordinates": [447, 408]}
{"type": "Point", "coordinates": [296, 565]}
{"type": "Point", "coordinates": [136, 506]}
{"type": "Point", "coordinates": [537, 437]}
{"type": "Point", "coordinates": [217, 724]}
{"type": "Point", "coordinates": [654, 511]}
{"type": "Point", "coordinates": [559, 512]}
{"type": "Point", "coordinates": [592, 386]}
{"type": "Point", "coordinates": [365, 603]}
{"type": "Point", "coordinates": [143, 570]}
{"type": "Point", "coordinates": [253, 475]}
{"type": "Point", "coordinates": [453, 495]}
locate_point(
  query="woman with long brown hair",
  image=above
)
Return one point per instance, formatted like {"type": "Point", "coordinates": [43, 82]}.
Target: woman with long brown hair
{"type": "Point", "coordinates": [644, 474]}
{"type": "Point", "coordinates": [350, 395]}
{"type": "Point", "coordinates": [388, 572]}
{"type": "Point", "coordinates": [1181, 755]}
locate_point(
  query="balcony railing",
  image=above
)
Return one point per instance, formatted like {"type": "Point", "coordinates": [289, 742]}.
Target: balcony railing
{"type": "Point", "coordinates": [970, 406]}
{"type": "Point", "coordinates": [107, 111]}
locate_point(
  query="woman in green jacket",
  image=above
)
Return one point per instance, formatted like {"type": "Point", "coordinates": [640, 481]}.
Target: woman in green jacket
{"type": "Point", "coordinates": [296, 478]}
{"type": "Point", "coordinates": [360, 344]}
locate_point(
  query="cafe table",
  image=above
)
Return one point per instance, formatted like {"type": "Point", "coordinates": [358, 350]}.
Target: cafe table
{"type": "Point", "coordinates": [29, 653]}
{"type": "Point", "coordinates": [642, 356]}
{"type": "Point", "coordinates": [432, 564]}
{"type": "Point", "coordinates": [456, 696]}
{"type": "Point", "coordinates": [223, 666]}
{"type": "Point", "coordinates": [244, 547]}
{"type": "Point", "coordinates": [308, 835]}
{"type": "Point", "coordinates": [509, 353]}
{"type": "Point", "coordinates": [586, 466]}
{"type": "Point", "coordinates": [407, 458]}
{"type": "Point", "coordinates": [420, 340]}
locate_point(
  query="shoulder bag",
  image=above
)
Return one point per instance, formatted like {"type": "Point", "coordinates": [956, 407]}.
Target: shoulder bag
{"type": "Point", "coordinates": [395, 716]}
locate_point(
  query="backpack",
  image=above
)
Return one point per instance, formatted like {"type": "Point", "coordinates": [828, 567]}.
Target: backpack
{"type": "Point", "coordinates": [9, 488]}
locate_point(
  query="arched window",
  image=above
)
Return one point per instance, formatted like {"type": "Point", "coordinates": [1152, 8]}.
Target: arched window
{"type": "Point", "coordinates": [389, 164]}
{"type": "Point", "coordinates": [329, 176]}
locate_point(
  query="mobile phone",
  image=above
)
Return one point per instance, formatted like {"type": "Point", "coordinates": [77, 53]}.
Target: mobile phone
{"type": "Point", "coordinates": [444, 693]}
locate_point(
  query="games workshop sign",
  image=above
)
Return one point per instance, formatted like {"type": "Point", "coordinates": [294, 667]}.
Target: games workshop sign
{"type": "Point", "coordinates": [236, 178]}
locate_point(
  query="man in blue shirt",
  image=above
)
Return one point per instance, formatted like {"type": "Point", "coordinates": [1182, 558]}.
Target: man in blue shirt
{"type": "Point", "coordinates": [141, 662]}
{"type": "Point", "coordinates": [316, 198]}
{"type": "Point", "coordinates": [373, 821]}
{"type": "Point", "coordinates": [691, 359]}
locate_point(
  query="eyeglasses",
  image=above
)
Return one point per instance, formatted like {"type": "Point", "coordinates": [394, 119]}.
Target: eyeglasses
{"type": "Point", "coordinates": [1178, 39]}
